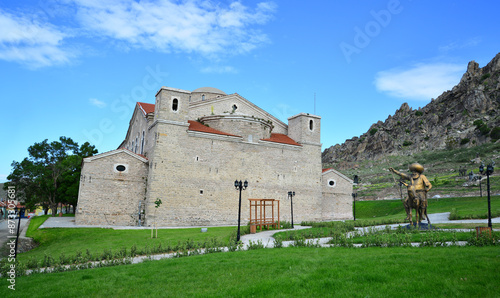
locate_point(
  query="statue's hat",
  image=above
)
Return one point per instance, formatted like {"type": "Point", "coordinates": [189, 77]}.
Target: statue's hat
{"type": "Point", "coordinates": [416, 167]}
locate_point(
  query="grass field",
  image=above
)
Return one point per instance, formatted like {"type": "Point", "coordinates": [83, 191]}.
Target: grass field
{"type": "Point", "coordinates": [70, 241]}
{"type": "Point", "coordinates": [477, 207]}
{"type": "Point", "coordinates": [292, 272]}
{"type": "Point", "coordinates": [307, 271]}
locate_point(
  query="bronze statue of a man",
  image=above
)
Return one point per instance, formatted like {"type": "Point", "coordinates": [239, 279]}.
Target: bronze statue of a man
{"type": "Point", "coordinates": [418, 186]}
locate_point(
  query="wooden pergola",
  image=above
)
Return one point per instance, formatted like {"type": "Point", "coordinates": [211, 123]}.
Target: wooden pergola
{"type": "Point", "coordinates": [262, 218]}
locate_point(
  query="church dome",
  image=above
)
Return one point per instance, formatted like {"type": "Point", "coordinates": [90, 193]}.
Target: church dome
{"type": "Point", "coordinates": [209, 90]}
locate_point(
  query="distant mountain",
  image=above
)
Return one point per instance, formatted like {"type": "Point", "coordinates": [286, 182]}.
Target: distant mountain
{"type": "Point", "coordinates": [466, 116]}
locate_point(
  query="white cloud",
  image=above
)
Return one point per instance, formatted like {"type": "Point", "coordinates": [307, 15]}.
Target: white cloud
{"type": "Point", "coordinates": [190, 26]}
{"type": "Point", "coordinates": [96, 102]}
{"type": "Point", "coordinates": [27, 41]}
{"type": "Point", "coordinates": [169, 26]}
{"type": "Point", "coordinates": [460, 45]}
{"type": "Point", "coordinates": [219, 69]}
{"type": "Point", "coordinates": [420, 82]}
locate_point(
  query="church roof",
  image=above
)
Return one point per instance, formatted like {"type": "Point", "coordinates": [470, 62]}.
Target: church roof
{"type": "Point", "coordinates": [117, 151]}
{"type": "Point", "coordinates": [281, 138]}
{"type": "Point", "coordinates": [146, 107]}
{"type": "Point", "coordinates": [209, 90]}
{"type": "Point", "coordinates": [197, 126]}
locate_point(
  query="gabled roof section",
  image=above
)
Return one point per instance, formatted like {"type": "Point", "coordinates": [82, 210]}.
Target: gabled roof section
{"type": "Point", "coordinates": [211, 101]}
{"type": "Point", "coordinates": [331, 170]}
{"type": "Point", "coordinates": [117, 151]}
{"type": "Point", "coordinates": [197, 126]}
{"type": "Point", "coordinates": [281, 138]}
{"type": "Point", "coordinates": [146, 108]}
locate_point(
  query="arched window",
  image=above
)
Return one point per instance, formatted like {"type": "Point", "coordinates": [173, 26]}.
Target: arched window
{"type": "Point", "coordinates": [175, 105]}
{"type": "Point", "coordinates": [203, 97]}
{"type": "Point", "coordinates": [142, 143]}
{"type": "Point", "coordinates": [311, 125]}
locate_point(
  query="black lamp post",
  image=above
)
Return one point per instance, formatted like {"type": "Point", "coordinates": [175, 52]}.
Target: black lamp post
{"type": "Point", "coordinates": [20, 210]}
{"type": "Point", "coordinates": [489, 171]}
{"type": "Point", "coordinates": [354, 195]}
{"type": "Point", "coordinates": [291, 194]}
{"type": "Point", "coordinates": [480, 188]}
{"type": "Point", "coordinates": [239, 186]}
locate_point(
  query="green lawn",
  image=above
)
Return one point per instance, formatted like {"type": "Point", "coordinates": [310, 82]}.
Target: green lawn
{"type": "Point", "coordinates": [464, 225]}
{"type": "Point", "coordinates": [69, 241]}
{"type": "Point", "coordinates": [393, 209]}
{"type": "Point", "coordinates": [291, 272]}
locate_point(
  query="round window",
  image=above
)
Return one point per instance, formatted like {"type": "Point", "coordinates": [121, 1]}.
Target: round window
{"type": "Point", "coordinates": [120, 168]}
{"type": "Point", "coordinates": [331, 183]}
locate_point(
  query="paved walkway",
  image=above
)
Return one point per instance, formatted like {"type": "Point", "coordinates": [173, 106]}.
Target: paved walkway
{"type": "Point", "coordinates": [5, 232]}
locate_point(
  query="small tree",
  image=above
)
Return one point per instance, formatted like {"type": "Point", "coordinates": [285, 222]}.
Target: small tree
{"type": "Point", "coordinates": [51, 173]}
{"type": "Point", "coordinates": [154, 227]}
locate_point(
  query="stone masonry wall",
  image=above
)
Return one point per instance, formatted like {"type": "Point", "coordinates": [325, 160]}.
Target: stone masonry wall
{"type": "Point", "coordinates": [337, 198]}
{"type": "Point", "coordinates": [107, 196]}
{"type": "Point", "coordinates": [137, 138]}
{"type": "Point", "coordinates": [194, 177]}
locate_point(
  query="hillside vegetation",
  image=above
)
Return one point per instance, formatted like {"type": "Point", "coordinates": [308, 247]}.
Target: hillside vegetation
{"type": "Point", "coordinates": [441, 168]}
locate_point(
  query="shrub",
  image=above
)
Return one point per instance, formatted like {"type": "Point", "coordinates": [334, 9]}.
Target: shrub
{"type": "Point", "coordinates": [255, 245]}
{"type": "Point", "coordinates": [407, 130]}
{"type": "Point", "coordinates": [495, 133]}
{"type": "Point", "coordinates": [419, 113]}
{"type": "Point", "coordinates": [484, 129]}
{"type": "Point", "coordinates": [453, 214]}
{"type": "Point", "coordinates": [373, 131]}
{"type": "Point", "coordinates": [407, 143]}
{"type": "Point", "coordinates": [450, 142]}
{"type": "Point", "coordinates": [478, 123]}
{"type": "Point", "coordinates": [485, 76]}
{"type": "Point", "coordinates": [464, 141]}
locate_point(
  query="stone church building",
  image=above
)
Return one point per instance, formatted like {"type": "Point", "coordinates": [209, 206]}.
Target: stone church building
{"type": "Point", "coordinates": [189, 147]}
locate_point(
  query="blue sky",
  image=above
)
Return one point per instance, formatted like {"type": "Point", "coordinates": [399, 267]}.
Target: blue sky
{"type": "Point", "coordinates": [75, 68]}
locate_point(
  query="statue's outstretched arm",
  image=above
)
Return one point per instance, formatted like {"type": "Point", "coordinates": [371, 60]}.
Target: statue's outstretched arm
{"type": "Point", "coordinates": [404, 176]}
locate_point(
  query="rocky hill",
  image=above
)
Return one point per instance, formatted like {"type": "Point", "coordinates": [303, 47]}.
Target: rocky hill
{"type": "Point", "coordinates": [465, 116]}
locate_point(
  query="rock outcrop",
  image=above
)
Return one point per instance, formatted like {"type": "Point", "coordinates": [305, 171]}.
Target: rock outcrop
{"type": "Point", "coordinates": [465, 116]}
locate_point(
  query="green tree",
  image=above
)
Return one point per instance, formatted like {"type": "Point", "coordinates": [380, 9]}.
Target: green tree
{"type": "Point", "coordinates": [51, 173]}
